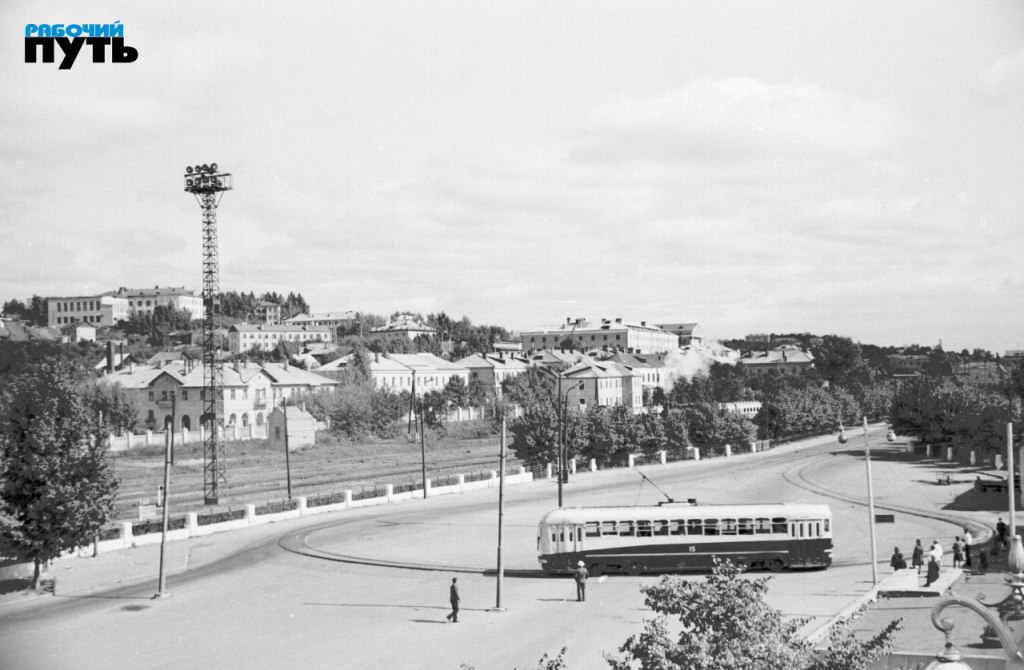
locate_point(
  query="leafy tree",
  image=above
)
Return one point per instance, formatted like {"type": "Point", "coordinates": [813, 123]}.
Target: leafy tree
{"type": "Point", "coordinates": [456, 392]}
{"type": "Point", "coordinates": [114, 406]}
{"type": "Point", "coordinates": [56, 487]}
{"type": "Point", "coordinates": [709, 425]}
{"type": "Point", "coordinates": [677, 435]}
{"type": "Point", "coordinates": [725, 624]}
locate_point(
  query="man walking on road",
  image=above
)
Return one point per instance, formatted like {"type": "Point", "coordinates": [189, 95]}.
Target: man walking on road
{"type": "Point", "coordinates": [453, 596]}
{"type": "Point", "coordinates": [581, 576]}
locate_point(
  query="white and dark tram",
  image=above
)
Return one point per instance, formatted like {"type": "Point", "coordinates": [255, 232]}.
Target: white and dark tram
{"type": "Point", "coordinates": [676, 537]}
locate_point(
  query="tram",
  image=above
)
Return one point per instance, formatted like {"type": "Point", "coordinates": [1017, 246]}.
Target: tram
{"type": "Point", "coordinates": [677, 537]}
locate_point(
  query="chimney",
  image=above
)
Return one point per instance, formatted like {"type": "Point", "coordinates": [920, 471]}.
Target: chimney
{"type": "Point", "coordinates": [110, 356]}
{"type": "Point", "coordinates": [285, 362]}
{"type": "Point", "coordinates": [643, 323]}
{"type": "Point", "coordinates": [376, 357]}
{"type": "Point", "coordinates": [618, 319]}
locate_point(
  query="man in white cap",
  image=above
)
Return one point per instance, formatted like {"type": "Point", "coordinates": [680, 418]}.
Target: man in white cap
{"type": "Point", "coordinates": [581, 576]}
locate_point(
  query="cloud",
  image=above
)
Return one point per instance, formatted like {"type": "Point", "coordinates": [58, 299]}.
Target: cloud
{"type": "Point", "coordinates": [727, 121]}
{"type": "Point", "coordinates": [1004, 81]}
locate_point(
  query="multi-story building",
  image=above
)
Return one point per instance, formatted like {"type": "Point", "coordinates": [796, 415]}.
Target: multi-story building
{"type": "Point", "coordinates": [406, 327]}
{"type": "Point", "coordinates": [145, 300]}
{"type": "Point", "coordinates": [244, 336]}
{"type": "Point", "coordinates": [589, 384]}
{"type": "Point", "coordinates": [490, 370]}
{"type": "Point", "coordinates": [336, 321]}
{"type": "Point", "coordinates": [608, 334]}
{"type": "Point", "coordinates": [688, 333]}
{"type": "Point", "coordinates": [250, 391]}
{"type": "Point", "coordinates": [99, 310]}
{"type": "Point", "coordinates": [908, 362]}
{"type": "Point", "coordinates": [403, 372]}
{"type": "Point", "coordinates": [786, 360]}
{"type": "Point", "coordinates": [77, 332]}
{"type": "Point", "coordinates": [267, 312]}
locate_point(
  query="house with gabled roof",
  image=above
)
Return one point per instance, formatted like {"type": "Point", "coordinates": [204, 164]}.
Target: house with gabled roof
{"type": "Point", "coordinates": [490, 370]}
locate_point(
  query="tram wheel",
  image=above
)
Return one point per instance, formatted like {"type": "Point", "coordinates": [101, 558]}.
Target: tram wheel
{"type": "Point", "coordinates": [596, 569]}
{"type": "Point", "coordinates": [776, 565]}
{"type": "Point", "coordinates": [757, 565]}
{"type": "Point", "coordinates": [636, 568]}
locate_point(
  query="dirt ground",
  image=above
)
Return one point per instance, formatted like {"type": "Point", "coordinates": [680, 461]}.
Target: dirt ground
{"type": "Point", "coordinates": [256, 474]}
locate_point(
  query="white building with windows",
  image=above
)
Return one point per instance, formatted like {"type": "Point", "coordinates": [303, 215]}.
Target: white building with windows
{"type": "Point", "coordinates": [145, 300]}
{"type": "Point", "coordinates": [244, 336]}
{"type": "Point", "coordinates": [333, 320]}
{"type": "Point", "coordinates": [176, 388]}
{"type": "Point", "coordinates": [608, 334]}
{"type": "Point", "coordinates": [98, 310]}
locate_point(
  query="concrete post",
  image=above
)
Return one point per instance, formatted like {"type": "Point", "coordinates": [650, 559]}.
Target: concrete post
{"type": "Point", "coordinates": [522, 470]}
{"type": "Point", "coordinates": [428, 486]}
{"type": "Point", "coordinates": [348, 498]}
{"type": "Point", "coordinates": [494, 475]}
{"type": "Point", "coordinates": [461, 481]}
{"type": "Point", "coordinates": [949, 453]}
{"type": "Point", "coordinates": [184, 435]}
{"type": "Point", "coordinates": [728, 451]}
{"type": "Point", "coordinates": [998, 462]}
{"type": "Point", "coordinates": [302, 505]}
{"type": "Point", "coordinates": [663, 456]}
{"type": "Point", "coordinates": [192, 521]}
{"type": "Point", "coordinates": [130, 437]}
{"type": "Point", "coordinates": [389, 490]}
{"type": "Point", "coordinates": [547, 472]}
{"type": "Point", "coordinates": [753, 447]}
{"type": "Point", "coordinates": [696, 453]}
{"type": "Point", "coordinates": [928, 450]}
{"type": "Point", "coordinates": [974, 457]}
{"type": "Point", "coordinates": [202, 433]}
{"type": "Point", "coordinates": [572, 465]}
{"type": "Point", "coordinates": [126, 533]}
{"type": "Point", "coordinates": [632, 461]}
{"type": "Point", "coordinates": [149, 437]}
{"type": "Point", "coordinates": [593, 465]}
{"type": "Point", "coordinates": [250, 513]}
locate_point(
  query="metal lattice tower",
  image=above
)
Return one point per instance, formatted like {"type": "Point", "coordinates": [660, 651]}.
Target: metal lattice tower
{"type": "Point", "coordinates": [208, 186]}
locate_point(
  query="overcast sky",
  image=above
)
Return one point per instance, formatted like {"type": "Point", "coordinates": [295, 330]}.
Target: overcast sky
{"type": "Point", "coordinates": [853, 168]}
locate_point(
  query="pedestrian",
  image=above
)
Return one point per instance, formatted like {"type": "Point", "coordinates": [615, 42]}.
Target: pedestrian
{"type": "Point", "coordinates": [958, 555]}
{"type": "Point", "coordinates": [453, 596]}
{"type": "Point", "coordinates": [581, 575]}
{"type": "Point", "coordinates": [1001, 531]}
{"type": "Point", "coordinates": [917, 558]}
{"type": "Point", "coordinates": [968, 540]}
{"type": "Point", "coordinates": [897, 561]}
{"type": "Point", "coordinates": [982, 561]}
{"type": "Point", "coordinates": [933, 572]}
{"type": "Point", "coordinates": [937, 552]}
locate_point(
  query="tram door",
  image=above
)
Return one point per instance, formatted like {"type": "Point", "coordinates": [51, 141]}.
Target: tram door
{"type": "Point", "coordinates": [568, 539]}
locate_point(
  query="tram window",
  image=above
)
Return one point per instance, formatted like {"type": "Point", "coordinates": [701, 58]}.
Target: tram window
{"type": "Point", "coordinates": [562, 534]}
{"type": "Point", "coordinates": [779, 525]}
{"type": "Point", "coordinates": [711, 526]}
{"type": "Point", "coordinates": [801, 525]}
{"type": "Point", "coordinates": [643, 529]}
{"type": "Point", "coordinates": [817, 529]}
{"type": "Point", "coordinates": [746, 527]}
{"type": "Point", "coordinates": [625, 528]}
{"type": "Point", "coordinates": [678, 527]}
{"type": "Point", "coordinates": [661, 527]}
{"type": "Point", "coordinates": [826, 525]}
{"type": "Point", "coordinates": [728, 526]}
{"type": "Point", "coordinates": [694, 527]}
{"type": "Point", "coordinates": [554, 537]}
{"type": "Point", "coordinates": [762, 526]}
{"type": "Point", "coordinates": [593, 529]}
{"type": "Point", "coordinates": [608, 528]}
{"type": "Point", "coordinates": [579, 534]}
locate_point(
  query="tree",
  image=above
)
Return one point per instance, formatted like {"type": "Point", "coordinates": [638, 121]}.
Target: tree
{"type": "Point", "coordinates": [114, 407]}
{"type": "Point", "coordinates": [56, 487]}
{"type": "Point", "coordinates": [724, 623]}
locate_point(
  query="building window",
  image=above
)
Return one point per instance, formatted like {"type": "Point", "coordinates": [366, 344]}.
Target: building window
{"type": "Point", "coordinates": [151, 396]}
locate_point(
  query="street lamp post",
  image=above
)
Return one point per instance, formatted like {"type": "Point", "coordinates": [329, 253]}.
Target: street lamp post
{"type": "Point", "coordinates": [563, 457]}
{"type": "Point", "coordinates": [169, 440]}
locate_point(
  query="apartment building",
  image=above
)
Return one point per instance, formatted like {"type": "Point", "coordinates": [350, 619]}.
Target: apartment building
{"type": "Point", "coordinates": [401, 372]}
{"type": "Point", "coordinates": [490, 370]}
{"type": "Point", "coordinates": [406, 326]}
{"type": "Point", "coordinates": [785, 360]}
{"type": "Point", "coordinates": [250, 391]}
{"type": "Point", "coordinates": [606, 334]}
{"type": "Point", "coordinates": [244, 336]}
{"type": "Point", "coordinates": [334, 320]}
{"type": "Point", "coordinates": [98, 310]}
{"type": "Point", "coordinates": [145, 300]}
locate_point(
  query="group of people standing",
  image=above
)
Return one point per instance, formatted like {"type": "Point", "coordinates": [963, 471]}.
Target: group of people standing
{"type": "Point", "coordinates": [961, 557]}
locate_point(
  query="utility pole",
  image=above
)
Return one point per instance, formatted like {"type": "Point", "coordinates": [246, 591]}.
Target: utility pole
{"type": "Point", "coordinates": [871, 507]}
{"type": "Point", "coordinates": [423, 449]}
{"type": "Point", "coordinates": [501, 508]}
{"type": "Point", "coordinates": [287, 457]}
{"type": "Point", "coordinates": [162, 582]}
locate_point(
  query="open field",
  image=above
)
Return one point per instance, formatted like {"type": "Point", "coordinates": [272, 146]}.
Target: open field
{"type": "Point", "coordinates": [257, 475]}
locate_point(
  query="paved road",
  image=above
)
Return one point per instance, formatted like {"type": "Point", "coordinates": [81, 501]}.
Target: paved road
{"type": "Point", "coordinates": [241, 600]}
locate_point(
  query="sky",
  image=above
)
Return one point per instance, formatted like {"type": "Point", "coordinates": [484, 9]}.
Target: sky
{"type": "Point", "coordinates": [760, 166]}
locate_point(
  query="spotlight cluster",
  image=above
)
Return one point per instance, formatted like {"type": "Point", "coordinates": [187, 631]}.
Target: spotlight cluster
{"type": "Point", "coordinates": [206, 178]}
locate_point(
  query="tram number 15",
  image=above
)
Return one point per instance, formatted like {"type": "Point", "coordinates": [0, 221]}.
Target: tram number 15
{"type": "Point", "coordinates": [693, 548]}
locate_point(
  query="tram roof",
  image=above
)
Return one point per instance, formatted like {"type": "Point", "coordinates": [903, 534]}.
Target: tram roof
{"type": "Point", "coordinates": [687, 511]}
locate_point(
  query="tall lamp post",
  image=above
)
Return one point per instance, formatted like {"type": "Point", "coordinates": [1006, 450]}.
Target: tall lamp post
{"type": "Point", "coordinates": [563, 460]}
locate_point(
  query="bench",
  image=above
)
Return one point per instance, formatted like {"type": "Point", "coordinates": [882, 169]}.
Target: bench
{"type": "Point", "coordinates": [944, 478]}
